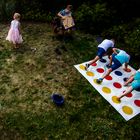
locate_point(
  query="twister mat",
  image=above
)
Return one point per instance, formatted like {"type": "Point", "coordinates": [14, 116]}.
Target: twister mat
{"type": "Point", "coordinates": [112, 86]}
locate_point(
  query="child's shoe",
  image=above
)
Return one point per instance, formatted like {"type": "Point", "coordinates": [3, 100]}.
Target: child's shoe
{"type": "Point", "coordinates": [118, 99]}
{"type": "Point", "coordinates": [87, 66]}
{"type": "Point", "coordinates": [99, 81]}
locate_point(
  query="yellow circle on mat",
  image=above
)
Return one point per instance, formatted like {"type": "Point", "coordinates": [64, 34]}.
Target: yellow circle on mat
{"type": "Point", "coordinates": [106, 90]}
{"type": "Point", "coordinates": [89, 73]}
{"type": "Point", "coordinates": [114, 99]}
{"type": "Point", "coordinates": [127, 110]}
{"type": "Point", "coordinates": [96, 82]}
{"type": "Point", "coordinates": [82, 67]}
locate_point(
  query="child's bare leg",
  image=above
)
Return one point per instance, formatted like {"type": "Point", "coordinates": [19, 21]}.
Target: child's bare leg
{"type": "Point", "coordinates": [131, 78]}
{"type": "Point", "coordinates": [130, 89]}
{"type": "Point", "coordinates": [110, 63]}
{"type": "Point", "coordinates": [94, 60]}
{"type": "Point", "coordinates": [107, 73]}
{"type": "Point", "coordinates": [17, 45]}
{"type": "Point", "coordinates": [13, 46]}
{"type": "Point", "coordinates": [99, 81]}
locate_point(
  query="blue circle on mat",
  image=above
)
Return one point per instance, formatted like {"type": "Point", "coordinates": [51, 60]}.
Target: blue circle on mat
{"type": "Point", "coordinates": [118, 73]}
{"type": "Point", "coordinates": [125, 79]}
{"type": "Point", "coordinates": [103, 60]}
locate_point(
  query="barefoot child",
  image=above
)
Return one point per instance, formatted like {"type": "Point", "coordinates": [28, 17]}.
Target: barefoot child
{"type": "Point", "coordinates": [14, 34]}
{"type": "Point", "coordinates": [134, 79]}
{"type": "Point", "coordinates": [119, 57]}
{"type": "Point", "coordinates": [102, 49]}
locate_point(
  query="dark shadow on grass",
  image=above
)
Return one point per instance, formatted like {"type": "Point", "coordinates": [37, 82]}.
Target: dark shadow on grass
{"type": "Point", "coordinates": [60, 49]}
{"type": "Point", "coordinates": [24, 49]}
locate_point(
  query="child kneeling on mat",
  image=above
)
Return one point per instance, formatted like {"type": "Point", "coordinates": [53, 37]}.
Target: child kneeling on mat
{"type": "Point", "coordinates": [134, 79]}
{"type": "Point", "coordinates": [119, 57]}
{"type": "Point", "coordinates": [103, 47]}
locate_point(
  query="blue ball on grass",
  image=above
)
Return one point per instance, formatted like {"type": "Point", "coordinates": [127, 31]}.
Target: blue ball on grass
{"type": "Point", "coordinates": [57, 99]}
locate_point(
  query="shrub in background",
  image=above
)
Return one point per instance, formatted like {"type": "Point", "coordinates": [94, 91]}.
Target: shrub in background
{"type": "Point", "coordinates": [7, 8]}
{"type": "Point", "coordinates": [127, 37]}
{"type": "Point", "coordinates": [93, 18]}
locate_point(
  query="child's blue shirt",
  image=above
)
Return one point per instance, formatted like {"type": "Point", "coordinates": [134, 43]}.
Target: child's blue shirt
{"type": "Point", "coordinates": [123, 57]}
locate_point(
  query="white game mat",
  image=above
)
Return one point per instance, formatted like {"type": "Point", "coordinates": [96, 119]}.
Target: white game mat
{"type": "Point", "coordinates": [112, 86]}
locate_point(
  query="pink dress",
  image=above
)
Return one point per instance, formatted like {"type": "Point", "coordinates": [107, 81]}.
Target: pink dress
{"type": "Point", "coordinates": [13, 34]}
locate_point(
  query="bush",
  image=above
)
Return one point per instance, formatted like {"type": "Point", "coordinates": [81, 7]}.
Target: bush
{"type": "Point", "coordinates": [127, 36]}
{"type": "Point", "coordinates": [7, 8]}
{"type": "Point", "coordinates": [37, 16]}
{"type": "Point", "coordinates": [93, 18]}
{"type": "Point", "coordinates": [133, 42]}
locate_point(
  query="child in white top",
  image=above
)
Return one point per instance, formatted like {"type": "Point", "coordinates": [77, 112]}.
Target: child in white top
{"type": "Point", "coordinates": [102, 50]}
{"type": "Point", "coordinates": [14, 34]}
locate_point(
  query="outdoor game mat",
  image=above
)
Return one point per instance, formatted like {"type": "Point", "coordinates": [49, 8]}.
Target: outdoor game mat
{"type": "Point", "coordinates": [112, 86]}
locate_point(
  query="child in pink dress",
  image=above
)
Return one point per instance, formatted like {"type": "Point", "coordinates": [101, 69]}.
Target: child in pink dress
{"type": "Point", "coordinates": [14, 34]}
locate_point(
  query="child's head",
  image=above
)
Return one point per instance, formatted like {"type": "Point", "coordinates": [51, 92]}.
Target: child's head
{"type": "Point", "coordinates": [109, 51]}
{"type": "Point", "coordinates": [16, 16]}
{"type": "Point", "coordinates": [113, 40]}
{"type": "Point", "coordinates": [69, 7]}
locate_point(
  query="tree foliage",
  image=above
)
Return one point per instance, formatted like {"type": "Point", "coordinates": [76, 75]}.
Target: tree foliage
{"type": "Point", "coordinates": [7, 7]}
{"type": "Point", "coordinates": [93, 17]}
{"type": "Point", "coordinates": [117, 18]}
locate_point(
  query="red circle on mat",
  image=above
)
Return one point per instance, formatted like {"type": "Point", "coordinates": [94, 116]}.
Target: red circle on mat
{"type": "Point", "coordinates": [137, 103]}
{"type": "Point", "coordinates": [117, 85]}
{"type": "Point", "coordinates": [100, 70]}
{"type": "Point", "coordinates": [108, 77]}
{"type": "Point", "coordinates": [94, 64]}
{"type": "Point", "coordinates": [128, 70]}
{"type": "Point", "coordinates": [129, 94]}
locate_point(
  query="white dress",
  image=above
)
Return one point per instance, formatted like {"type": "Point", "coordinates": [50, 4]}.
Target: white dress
{"type": "Point", "coordinates": [13, 35]}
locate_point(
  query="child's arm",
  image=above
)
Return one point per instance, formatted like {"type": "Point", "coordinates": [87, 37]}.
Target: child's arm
{"type": "Point", "coordinates": [115, 50]}
{"type": "Point", "coordinates": [129, 90]}
{"type": "Point", "coordinates": [125, 66]}
{"type": "Point", "coordinates": [126, 63]}
{"type": "Point", "coordinates": [59, 14]}
{"type": "Point", "coordinates": [130, 79]}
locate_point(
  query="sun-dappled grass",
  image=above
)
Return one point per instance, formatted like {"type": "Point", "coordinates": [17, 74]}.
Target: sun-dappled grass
{"type": "Point", "coordinates": [28, 78]}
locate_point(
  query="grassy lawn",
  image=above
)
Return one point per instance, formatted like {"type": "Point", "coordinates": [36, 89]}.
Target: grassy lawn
{"type": "Point", "coordinates": [28, 78]}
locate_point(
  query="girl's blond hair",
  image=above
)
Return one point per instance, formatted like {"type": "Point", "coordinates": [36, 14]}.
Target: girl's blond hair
{"type": "Point", "coordinates": [16, 16]}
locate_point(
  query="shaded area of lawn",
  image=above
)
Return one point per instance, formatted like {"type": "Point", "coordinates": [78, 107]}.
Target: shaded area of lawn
{"type": "Point", "coordinates": [28, 78]}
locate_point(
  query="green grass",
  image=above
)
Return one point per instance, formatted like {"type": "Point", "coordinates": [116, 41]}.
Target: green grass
{"type": "Point", "coordinates": [27, 80]}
